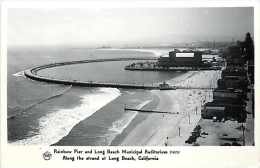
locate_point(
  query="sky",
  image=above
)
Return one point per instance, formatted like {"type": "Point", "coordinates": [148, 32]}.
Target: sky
{"type": "Point", "coordinates": [126, 26]}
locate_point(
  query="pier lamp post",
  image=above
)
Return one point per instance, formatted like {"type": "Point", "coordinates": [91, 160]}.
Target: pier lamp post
{"type": "Point", "coordinates": [189, 117]}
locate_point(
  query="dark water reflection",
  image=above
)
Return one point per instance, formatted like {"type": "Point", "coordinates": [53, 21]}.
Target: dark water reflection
{"type": "Point", "coordinates": [112, 71]}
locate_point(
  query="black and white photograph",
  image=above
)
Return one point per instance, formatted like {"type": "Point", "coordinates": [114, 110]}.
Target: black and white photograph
{"type": "Point", "coordinates": [172, 76]}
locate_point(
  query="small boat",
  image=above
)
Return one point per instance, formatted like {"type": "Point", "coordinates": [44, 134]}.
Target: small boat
{"type": "Point", "coordinates": [166, 86]}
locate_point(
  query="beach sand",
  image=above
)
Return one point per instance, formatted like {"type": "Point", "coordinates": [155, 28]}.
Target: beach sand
{"type": "Point", "coordinates": [173, 129]}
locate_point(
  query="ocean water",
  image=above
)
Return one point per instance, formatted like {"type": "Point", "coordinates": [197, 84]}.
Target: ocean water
{"type": "Point", "coordinates": [43, 113]}
{"type": "Point", "coordinates": [109, 72]}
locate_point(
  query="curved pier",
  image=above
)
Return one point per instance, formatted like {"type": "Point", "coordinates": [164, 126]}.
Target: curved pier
{"type": "Point", "coordinates": [32, 74]}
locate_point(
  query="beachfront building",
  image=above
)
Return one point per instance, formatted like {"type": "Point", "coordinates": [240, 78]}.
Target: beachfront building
{"type": "Point", "coordinates": [224, 111]}
{"type": "Point", "coordinates": [233, 78]}
{"type": "Point", "coordinates": [226, 104]}
{"type": "Point", "coordinates": [227, 95]}
{"type": "Point", "coordinates": [186, 58]}
{"type": "Point", "coordinates": [231, 96]}
{"type": "Point", "coordinates": [211, 110]}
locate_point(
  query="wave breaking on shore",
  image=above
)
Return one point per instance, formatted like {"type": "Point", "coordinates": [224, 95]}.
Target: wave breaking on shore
{"type": "Point", "coordinates": [56, 125]}
{"type": "Point", "coordinates": [123, 122]}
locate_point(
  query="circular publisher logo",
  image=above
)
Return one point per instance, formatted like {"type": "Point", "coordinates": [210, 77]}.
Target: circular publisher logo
{"type": "Point", "coordinates": [46, 155]}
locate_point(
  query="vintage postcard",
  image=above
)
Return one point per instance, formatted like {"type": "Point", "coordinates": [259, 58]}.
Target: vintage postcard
{"type": "Point", "coordinates": [138, 84]}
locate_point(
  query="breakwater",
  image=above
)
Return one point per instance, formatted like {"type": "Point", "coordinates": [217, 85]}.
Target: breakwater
{"type": "Point", "coordinates": [32, 74]}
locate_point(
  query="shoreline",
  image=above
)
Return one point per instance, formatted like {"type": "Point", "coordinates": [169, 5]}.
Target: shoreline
{"type": "Point", "coordinates": [76, 104]}
{"type": "Point", "coordinates": [50, 134]}
{"type": "Point", "coordinates": [172, 130]}
{"type": "Point", "coordinates": [101, 129]}
{"type": "Point", "coordinates": [142, 123]}
{"type": "Point", "coordinates": [152, 129]}
{"type": "Point", "coordinates": [42, 109]}
{"type": "Point", "coordinates": [140, 117]}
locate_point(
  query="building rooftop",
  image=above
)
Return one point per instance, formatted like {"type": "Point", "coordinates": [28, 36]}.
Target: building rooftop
{"type": "Point", "coordinates": [189, 55]}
